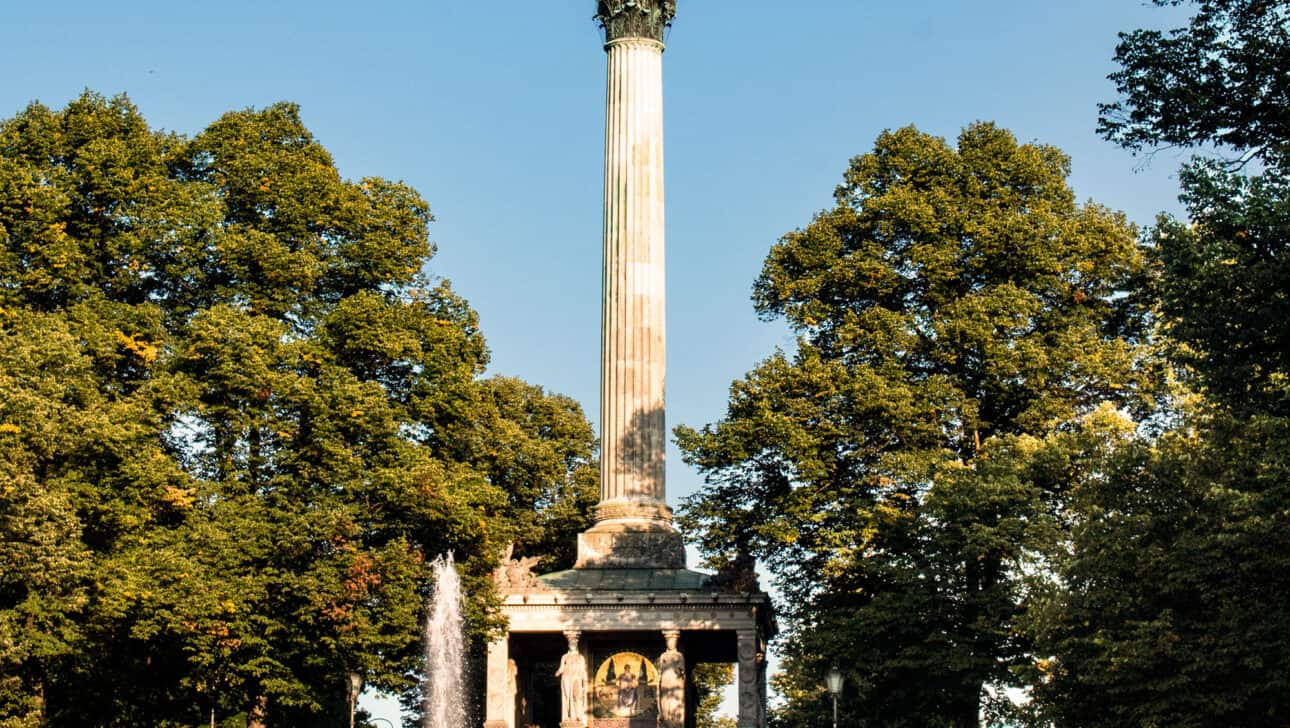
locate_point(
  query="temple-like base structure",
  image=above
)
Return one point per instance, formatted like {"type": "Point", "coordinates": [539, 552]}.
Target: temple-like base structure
{"type": "Point", "coordinates": [638, 633]}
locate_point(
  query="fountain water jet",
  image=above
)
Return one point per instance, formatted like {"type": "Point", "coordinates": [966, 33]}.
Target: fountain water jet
{"type": "Point", "coordinates": [445, 689]}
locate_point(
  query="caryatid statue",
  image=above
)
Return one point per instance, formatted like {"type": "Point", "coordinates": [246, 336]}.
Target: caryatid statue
{"type": "Point", "coordinates": [573, 684]}
{"type": "Point", "coordinates": [671, 684]}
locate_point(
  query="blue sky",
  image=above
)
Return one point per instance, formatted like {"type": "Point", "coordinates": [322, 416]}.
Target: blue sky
{"type": "Point", "coordinates": [494, 111]}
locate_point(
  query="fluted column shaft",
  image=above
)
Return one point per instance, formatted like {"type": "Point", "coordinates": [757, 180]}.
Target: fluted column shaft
{"type": "Point", "coordinates": [633, 352]}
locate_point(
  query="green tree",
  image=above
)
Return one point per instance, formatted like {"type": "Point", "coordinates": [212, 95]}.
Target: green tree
{"type": "Point", "coordinates": [1168, 610]}
{"type": "Point", "coordinates": [955, 303]}
{"type": "Point", "coordinates": [239, 418]}
{"type": "Point", "coordinates": [1221, 81]}
{"type": "Point", "coordinates": [1220, 84]}
{"type": "Point", "coordinates": [540, 449]}
{"type": "Point", "coordinates": [710, 681]}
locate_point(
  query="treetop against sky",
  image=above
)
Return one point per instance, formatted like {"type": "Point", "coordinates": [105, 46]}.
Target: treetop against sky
{"type": "Point", "coordinates": [496, 119]}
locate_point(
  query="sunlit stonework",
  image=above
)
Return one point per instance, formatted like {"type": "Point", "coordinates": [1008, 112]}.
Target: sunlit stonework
{"type": "Point", "coordinates": [612, 642]}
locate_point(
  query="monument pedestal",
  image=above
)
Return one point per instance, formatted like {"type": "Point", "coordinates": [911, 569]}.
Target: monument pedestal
{"type": "Point", "coordinates": [627, 545]}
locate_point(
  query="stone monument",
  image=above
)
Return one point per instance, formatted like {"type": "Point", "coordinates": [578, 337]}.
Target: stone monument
{"type": "Point", "coordinates": [612, 642]}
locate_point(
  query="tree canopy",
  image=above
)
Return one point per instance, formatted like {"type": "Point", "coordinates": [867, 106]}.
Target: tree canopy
{"type": "Point", "coordinates": [1219, 82]}
{"type": "Point", "coordinates": [1013, 448]}
{"type": "Point", "coordinates": [237, 418]}
{"type": "Point", "coordinates": [1166, 609]}
{"type": "Point", "coordinates": [953, 309]}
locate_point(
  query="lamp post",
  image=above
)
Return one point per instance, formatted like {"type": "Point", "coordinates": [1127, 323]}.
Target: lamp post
{"type": "Point", "coordinates": [383, 720]}
{"type": "Point", "coordinates": [355, 688]}
{"type": "Point", "coordinates": [835, 688]}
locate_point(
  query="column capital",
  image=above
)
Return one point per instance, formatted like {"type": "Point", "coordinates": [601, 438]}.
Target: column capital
{"type": "Point", "coordinates": [635, 18]}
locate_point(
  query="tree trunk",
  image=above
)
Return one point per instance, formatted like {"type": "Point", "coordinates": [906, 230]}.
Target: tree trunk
{"type": "Point", "coordinates": [968, 718]}
{"type": "Point", "coordinates": [39, 689]}
{"type": "Point", "coordinates": [259, 714]}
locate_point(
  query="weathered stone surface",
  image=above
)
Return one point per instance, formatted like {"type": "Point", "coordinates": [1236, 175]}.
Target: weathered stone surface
{"type": "Point", "coordinates": [609, 547]}
{"type": "Point", "coordinates": [633, 347]}
{"type": "Point", "coordinates": [750, 706]}
{"type": "Point", "coordinates": [516, 575]}
{"type": "Point", "coordinates": [499, 704]}
{"type": "Point", "coordinates": [624, 509]}
{"type": "Point", "coordinates": [633, 521]}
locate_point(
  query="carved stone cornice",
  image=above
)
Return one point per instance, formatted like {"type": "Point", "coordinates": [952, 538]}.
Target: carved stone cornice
{"type": "Point", "coordinates": [635, 18]}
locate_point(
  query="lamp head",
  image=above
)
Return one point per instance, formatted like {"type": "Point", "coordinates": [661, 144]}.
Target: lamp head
{"type": "Point", "coordinates": [834, 680]}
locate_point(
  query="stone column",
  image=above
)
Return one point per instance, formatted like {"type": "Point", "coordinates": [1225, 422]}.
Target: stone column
{"type": "Point", "coordinates": [633, 352]}
{"type": "Point", "coordinates": [633, 522]}
{"type": "Point", "coordinates": [499, 704]}
{"type": "Point", "coordinates": [749, 708]}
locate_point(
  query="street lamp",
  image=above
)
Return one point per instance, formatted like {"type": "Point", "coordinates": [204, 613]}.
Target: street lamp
{"type": "Point", "coordinates": [383, 720]}
{"type": "Point", "coordinates": [355, 689]}
{"type": "Point", "coordinates": [835, 688]}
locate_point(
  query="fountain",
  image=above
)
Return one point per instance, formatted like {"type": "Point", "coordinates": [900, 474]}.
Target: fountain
{"type": "Point", "coordinates": [445, 690]}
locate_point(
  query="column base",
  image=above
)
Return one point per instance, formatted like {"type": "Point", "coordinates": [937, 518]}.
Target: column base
{"type": "Point", "coordinates": [495, 724]}
{"type": "Point", "coordinates": [631, 545]}
{"type": "Point", "coordinates": [571, 723]}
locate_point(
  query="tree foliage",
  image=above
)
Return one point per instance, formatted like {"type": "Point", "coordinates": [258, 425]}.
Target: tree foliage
{"type": "Point", "coordinates": [1167, 608]}
{"type": "Point", "coordinates": [710, 681]}
{"type": "Point", "coordinates": [955, 306]}
{"type": "Point", "coordinates": [237, 417]}
{"type": "Point", "coordinates": [1221, 81]}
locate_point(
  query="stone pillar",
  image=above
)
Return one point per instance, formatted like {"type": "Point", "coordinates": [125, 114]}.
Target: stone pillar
{"type": "Point", "coordinates": [633, 352]}
{"type": "Point", "coordinates": [633, 522]}
{"type": "Point", "coordinates": [513, 689]}
{"type": "Point", "coordinates": [499, 704]}
{"type": "Point", "coordinates": [750, 710]}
